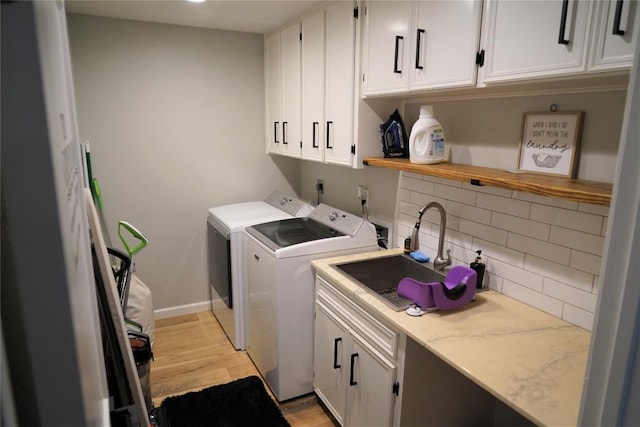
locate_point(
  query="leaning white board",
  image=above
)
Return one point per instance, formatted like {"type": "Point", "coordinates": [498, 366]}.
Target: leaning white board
{"type": "Point", "coordinates": [115, 310]}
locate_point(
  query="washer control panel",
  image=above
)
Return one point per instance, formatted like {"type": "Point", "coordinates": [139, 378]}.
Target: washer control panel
{"type": "Point", "coordinates": [344, 222]}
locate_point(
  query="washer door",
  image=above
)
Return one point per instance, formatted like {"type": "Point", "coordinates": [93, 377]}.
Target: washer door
{"type": "Point", "coordinates": [219, 252]}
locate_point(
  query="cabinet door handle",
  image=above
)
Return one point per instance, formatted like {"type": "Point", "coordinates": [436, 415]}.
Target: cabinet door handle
{"type": "Point", "coordinates": [418, 40]}
{"type": "Point", "coordinates": [395, 58]}
{"type": "Point", "coordinates": [335, 353]}
{"type": "Point", "coordinates": [563, 22]}
{"type": "Point", "coordinates": [616, 19]}
{"type": "Point", "coordinates": [275, 132]}
{"type": "Point", "coordinates": [256, 257]}
{"type": "Point", "coordinates": [284, 133]}
{"type": "Point", "coordinates": [315, 129]}
{"type": "Point", "coordinates": [353, 362]}
{"type": "Point", "coordinates": [329, 135]}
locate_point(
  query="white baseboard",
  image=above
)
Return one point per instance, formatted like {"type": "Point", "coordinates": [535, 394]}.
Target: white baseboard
{"type": "Point", "coordinates": [179, 310]}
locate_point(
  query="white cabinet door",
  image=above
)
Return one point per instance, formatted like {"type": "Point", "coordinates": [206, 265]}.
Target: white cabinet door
{"type": "Point", "coordinates": [313, 89]}
{"type": "Point", "coordinates": [330, 363]}
{"type": "Point", "coordinates": [534, 39]}
{"type": "Point", "coordinates": [340, 83]}
{"type": "Point", "coordinates": [291, 90]}
{"type": "Point", "coordinates": [370, 395]}
{"type": "Point", "coordinates": [273, 74]}
{"type": "Point", "coordinates": [446, 36]}
{"type": "Point", "coordinates": [612, 37]}
{"type": "Point", "coordinates": [386, 47]}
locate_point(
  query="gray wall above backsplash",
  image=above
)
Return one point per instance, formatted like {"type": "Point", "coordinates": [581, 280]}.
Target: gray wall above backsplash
{"type": "Point", "coordinates": [487, 132]}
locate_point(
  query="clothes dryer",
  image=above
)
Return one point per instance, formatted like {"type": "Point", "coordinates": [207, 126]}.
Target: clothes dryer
{"type": "Point", "coordinates": [225, 255]}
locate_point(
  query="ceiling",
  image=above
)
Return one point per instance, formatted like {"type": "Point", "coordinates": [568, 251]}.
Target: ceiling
{"type": "Point", "coordinates": [253, 16]}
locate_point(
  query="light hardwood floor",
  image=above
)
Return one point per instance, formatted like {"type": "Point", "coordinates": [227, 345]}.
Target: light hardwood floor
{"type": "Point", "coordinates": [192, 352]}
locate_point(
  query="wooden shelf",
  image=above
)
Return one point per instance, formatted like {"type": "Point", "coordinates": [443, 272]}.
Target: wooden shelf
{"type": "Point", "coordinates": [597, 193]}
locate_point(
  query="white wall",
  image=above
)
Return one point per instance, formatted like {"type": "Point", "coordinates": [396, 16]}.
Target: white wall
{"type": "Point", "coordinates": [341, 186]}
{"type": "Point", "coordinates": [175, 120]}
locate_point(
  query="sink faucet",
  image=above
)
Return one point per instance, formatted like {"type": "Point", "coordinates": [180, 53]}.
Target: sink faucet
{"type": "Point", "coordinates": [439, 263]}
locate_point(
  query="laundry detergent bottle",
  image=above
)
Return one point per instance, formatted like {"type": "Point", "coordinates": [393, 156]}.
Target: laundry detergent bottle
{"type": "Point", "coordinates": [426, 142]}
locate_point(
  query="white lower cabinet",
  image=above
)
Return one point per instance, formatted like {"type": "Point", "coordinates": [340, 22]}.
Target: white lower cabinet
{"type": "Point", "coordinates": [367, 374]}
{"type": "Point", "coordinates": [355, 361]}
{"type": "Point", "coordinates": [370, 392]}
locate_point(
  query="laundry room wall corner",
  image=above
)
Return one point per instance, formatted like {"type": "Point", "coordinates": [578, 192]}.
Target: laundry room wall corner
{"type": "Point", "coordinates": [175, 120]}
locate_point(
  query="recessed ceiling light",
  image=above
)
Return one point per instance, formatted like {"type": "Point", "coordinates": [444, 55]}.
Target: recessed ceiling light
{"type": "Point", "coordinates": [196, 1]}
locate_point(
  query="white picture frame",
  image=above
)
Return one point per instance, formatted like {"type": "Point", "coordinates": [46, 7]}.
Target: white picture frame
{"type": "Point", "coordinates": [550, 142]}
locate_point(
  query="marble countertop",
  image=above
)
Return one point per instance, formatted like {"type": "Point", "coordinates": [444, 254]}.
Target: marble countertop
{"type": "Point", "coordinates": [532, 361]}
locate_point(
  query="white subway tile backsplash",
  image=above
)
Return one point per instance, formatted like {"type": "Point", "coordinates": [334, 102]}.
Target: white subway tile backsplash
{"type": "Point", "coordinates": [578, 317]}
{"type": "Point", "coordinates": [417, 185]}
{"type": "Point", "coordinates": [555, 253]}
{"type": "Point", "coordinates": [522, 226]}
{"type": "Point", "coordinates": [483, 232]}
{"type": "Point", "coordinates": [408, 209]}
{"type": "Point", "coordinates": [404, 195]}
{"type": "Point", "coordinates": [492, 281]}
{"type": "Point", "coordinates": [574, 220]}
{"type": "Point", "coordinates": [504, 205]}
{"type": "Point", "coordinates": [523, 277]}
{"type": "Point", "coordinates": [585, 262]}
{"type": "Point", "coordinates": [543, 200]}
{"type": "Point", "coordinates": [460, 195]}
{"type": "Point", "coordinates": [460, 239]}
{"type": "Point", "coordinates": [584, 242]}
{"type": "Point", "coordinates": [443, 181]}
{"type": "Point", "coordinates": [593, 209]}
{"type": "Point", "coordinates": [545, 252]}
{"type": "Point", "coordinates": [570, 295]}
{"type": "Point", "coordinates": [533, 298]}
{"type": "Point", "coordinates": [412, 175]}
{"type": "Point", "coordinates": [561, 273]}
{"type": "Point", "coordinates": [498, 252]}
{"type": "Point", "coordinates": [471, 213]}
{"type": "Point", "coordinates": [421, 199]}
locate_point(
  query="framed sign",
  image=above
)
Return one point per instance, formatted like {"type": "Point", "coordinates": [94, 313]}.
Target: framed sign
{"type": "Point", "coordinates": [550, 142]}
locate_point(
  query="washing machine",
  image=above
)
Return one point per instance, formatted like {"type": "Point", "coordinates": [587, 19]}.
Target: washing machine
{"type": "Point", "coordinates": [225, 255]}
{"type": "Point", "coordinates": [281, 288]}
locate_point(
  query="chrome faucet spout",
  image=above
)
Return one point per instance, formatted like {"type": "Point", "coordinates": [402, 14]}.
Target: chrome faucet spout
{"type": "Point", "coordinates": [440, 262]}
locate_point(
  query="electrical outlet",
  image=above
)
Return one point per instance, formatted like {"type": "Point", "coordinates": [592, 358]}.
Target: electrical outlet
{"type": "Point", "coordinates": [363, 193]}
{"type": "Point", "coordinates": [320, 186]}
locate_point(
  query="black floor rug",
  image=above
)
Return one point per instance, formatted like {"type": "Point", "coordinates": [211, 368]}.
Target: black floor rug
{"type": "Point", "coordinates": [243, 402]}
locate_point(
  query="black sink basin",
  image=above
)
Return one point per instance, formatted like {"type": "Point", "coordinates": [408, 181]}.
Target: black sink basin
{"type": "Point", "coordinates": [382, 275]}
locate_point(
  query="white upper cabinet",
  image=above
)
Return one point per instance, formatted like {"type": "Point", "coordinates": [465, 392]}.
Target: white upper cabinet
{"type": "Point", "coordinates": [534, 39]}
{"type": "Point", "coordinates": [386, 47]}
{"type": "Point", "coordinates": [613, 31]}
{"type": "Point", "coordinates": [273, 75]}
{"type": "Point", "coordinates": [291, 89]}
{"type": "Point", "coordinates": [313, 76]}
{"type": "Point", "coordinates": [420, 45]}
{"type": "Point", "coordinates": [340, 68]}
{"type": "Point", "coordinates": [446, 36]}
{"type": "Point", "coordinates": [329, 61]}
